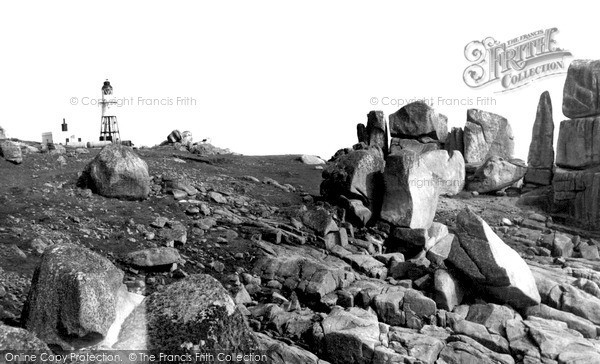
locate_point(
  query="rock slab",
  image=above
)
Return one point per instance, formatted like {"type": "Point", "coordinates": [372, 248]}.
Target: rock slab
{"type": "Point", "coordinates": [484, 258]}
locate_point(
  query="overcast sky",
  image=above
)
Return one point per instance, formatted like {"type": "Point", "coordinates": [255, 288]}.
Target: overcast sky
{"type": "Point", "coordinates": [264, 77]}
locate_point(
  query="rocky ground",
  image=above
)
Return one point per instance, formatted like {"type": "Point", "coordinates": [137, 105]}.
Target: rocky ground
{"type": "Point", "coordinates": [259, 226]}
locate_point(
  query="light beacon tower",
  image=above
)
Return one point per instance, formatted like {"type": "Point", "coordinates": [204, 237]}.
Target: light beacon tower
{"type": "Point", "coordinates": [109, 129]}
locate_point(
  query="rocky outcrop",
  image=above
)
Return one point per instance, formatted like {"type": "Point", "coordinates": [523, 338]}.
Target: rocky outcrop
{"type": "Point", "coordinates": [411, 192]}
{"type": "Point", "coordinates": [485, 135]}
{"type": "Point", "coordinates": [540, 160]}
{"type": "Point", "coordinates": [484, 258]}
{"type": "Point", "coordinates": [196, 311]}
{"type": "Point", "coordinates": [581, 97]}
{"type": "Point", "coordinates": [117, 171]}
{"type": "Point", "coordinates": [312, 274]}
{"type": "Point", "coordinates": [418, 119]}
{"type": "Point", "coordinates": [73, 296]}
{"type": "Point", "coordinates": [495, 174]}
{"type": "Point", "coordinates": [356, 175]}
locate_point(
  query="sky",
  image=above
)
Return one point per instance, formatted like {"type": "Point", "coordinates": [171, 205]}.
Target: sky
{"type": "Point", "coordinates": [265, 77]}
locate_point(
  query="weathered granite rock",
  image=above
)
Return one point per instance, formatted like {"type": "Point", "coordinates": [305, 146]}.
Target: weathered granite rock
{"type": "Point", "coordinates": [463, 349]}
{"type": "Point", "coordinates": [320, 220]}
{"type": "Point", "coordinates": [496, 173]}
{"type": "Point", "coordinates": [449, 291]}
{"type": "Point", "coordinates": [455, 140]}
{"type": "Point", "coordinates": [589, 250]}
{"type": "Point", "coordinates": [304, 269]}
{"type": "Point", "coordinates": [281, 353]}
{"type": "Point", "coordinates": [73, 295]}
{"type": "Point", "coordinates": [520, 343]}
{"type": "Point", "coordinates": [389, 307]}
{"type": "Point", "coordinates": [171, 183]}
{"type": "Point", "coordinates": [418, 119]}
{"type": "Point", "coordinates": [361, 133]}
{"type": "Point", "coordinates": [359, 212]}
{"type": "Point", "coordinates": [117, 171]}
{"type": "Point", "coordinates": [585, 327]}
{"type": "Point", "coordinates": [311, 159]}
{"type": "Point", "coordinates": [356, 175]}
{"type": "Point", "coordinates": [154, 257]}
{"type": "Point", "coordinates": [580, 303]}
{"type": "Point", "coordinates": [411, 195]}
{"type": "Point", "coordinates": [349, 336]}
{"type": "Point", "coordinates": [174, 137]}
{"type": "Point", "coordinates": [576, 197]}
{"type": "Point", "coordinates": [368, 265]}
{"type": "Point", "coordinates": [483, 257]}
{"type": "Point", "coordinates": [416, 304]}
{"type": "Point", "coordinates": [562, 245]}
{"type": "Point", "coordinates": [540, 160]}
{"type": "Point", "coordinates": [487, 134]}
{"type": "Point", "coordinates": [196, 310]}
{"type": "Point", "coordinates": [377, 130]}
{"type": "Point", "coordinates": [439, 252]}
{"type": "Point", "coordinates": [11, 152]}
{"type": "Point", "coordinates": [417, 347]}
{"type": "Point", "coordinates": [492, 316]}
{"type": "Point", "coordinates": [448, 168]}
{"type": "Point", "coordinates": [16, 339]}
{"type": "Point", "coordinates": [481, 334]}
{"type": "Point", "coordinates": [578, 144]}
{"type": "Point", "coordinates": [581, 97]}
{"type": "Point", "coordinates": [186, 137]}
{"type": "Point", "coordinates": [414, 145]}
{"type": "Point", "coordinates": [556, 341]}
{"type": "Point", "coordinates": [402, 237]}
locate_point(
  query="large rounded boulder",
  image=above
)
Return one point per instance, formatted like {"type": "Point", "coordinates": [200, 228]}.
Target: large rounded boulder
{"type": "Point", "coordinates": [117, 171]}
{"type": "Point", "coordinates": [196, 312]}
{"type": "Point", "coordinates": [73, 296]}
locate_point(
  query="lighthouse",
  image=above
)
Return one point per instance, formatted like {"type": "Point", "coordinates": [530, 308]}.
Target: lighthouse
{"type": "Point", "coordinates": [109, 129]}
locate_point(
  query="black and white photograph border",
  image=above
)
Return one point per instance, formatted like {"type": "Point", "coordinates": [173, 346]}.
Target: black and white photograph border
{"type": "Point", "coordinates": [319, 182]}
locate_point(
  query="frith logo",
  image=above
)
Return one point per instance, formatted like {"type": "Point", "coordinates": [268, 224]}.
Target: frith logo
{"type": "Point", "coordinates": [514, 63]}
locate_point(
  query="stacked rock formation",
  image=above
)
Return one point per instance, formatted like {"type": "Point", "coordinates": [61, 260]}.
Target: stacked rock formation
{"type": "Point", "coordinates": [576, 182]}
{"type": "Point", "coordinates": [487, 143]}
{"type": "Point", "coordinates": [400, 181]}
